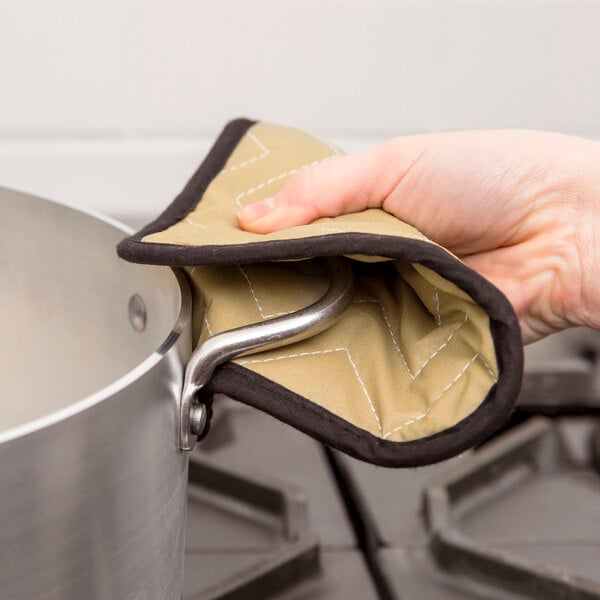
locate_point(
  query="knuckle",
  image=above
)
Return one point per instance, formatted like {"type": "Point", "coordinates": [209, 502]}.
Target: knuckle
{"type": "Point", "coordinates": [301, 183]}
{"type": "Point", "coordinates": [300, 188]}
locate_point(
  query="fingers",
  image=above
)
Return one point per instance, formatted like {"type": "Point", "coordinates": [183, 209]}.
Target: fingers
{"type": "Point", "coordinates": [331, 188]}
{"type": "Point", "coordinates": [341, 185]}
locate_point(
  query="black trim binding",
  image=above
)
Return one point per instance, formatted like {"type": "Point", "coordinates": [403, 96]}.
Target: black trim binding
{"type": "Point", "coordinates": [188, 198]}
{"type": "Point", "coordinates": [255, 390]}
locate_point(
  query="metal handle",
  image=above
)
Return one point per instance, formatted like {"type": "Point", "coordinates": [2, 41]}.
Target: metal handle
{"type": "Point", "coordinates": [272, 333]}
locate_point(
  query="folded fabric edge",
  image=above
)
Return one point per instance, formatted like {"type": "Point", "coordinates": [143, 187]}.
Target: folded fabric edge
{"type": "Point", "coordinates": [503, 323]}
{"type": "Point", "coordinates": [503, 326]}
{"type": "Point", "coordinates": [254, 390]}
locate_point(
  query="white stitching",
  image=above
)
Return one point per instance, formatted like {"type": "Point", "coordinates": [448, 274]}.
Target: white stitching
{"type": "Point", "coordinates": [397, 344]}
{"type": "Point", "coordinates": [205, 306]}
{"type": "Point", "coordinates": [433, 402]}
{"type": "Point", "coordinates": [364, 387]}
{"type": "Point", "coordinates": [489, 369]}
{"type": "Point", "coordinates": [441, 347]}
{"type": "Point", "coordinates": [265, 152]}
{"type": "Point", "coordinates": [252, 361]}
{"type": "Point", "coordinates": [463, 371]}
{"type": "Point", "coordinates": [332, 230]}
{"type": "Point", "coordinates": [438, 317]}
{"type": "Point", "coordinates": [362, 384]}
{"type": "Point", "coordinates": [208, 327]}
{"type": "Point", "coordinates": [263, 184]}
{"type": "Point", "coordinates": [257, 301]}
{"type": "Point", "coordinates": [245, 163]}
{"type": "Point", "coordinates": [387, 322]}
{"type": "Point", "coordinates": [253, 292]}
{"type": "Point", "coordinates": [194, 224]}
{"type": "Point", "coordinates": [352, 363]}
{"type": "Point", "coordinates": [389, 326]}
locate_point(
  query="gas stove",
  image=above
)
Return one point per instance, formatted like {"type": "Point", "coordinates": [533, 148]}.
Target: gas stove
{"type": "Point", "coordinates": [272, 514]}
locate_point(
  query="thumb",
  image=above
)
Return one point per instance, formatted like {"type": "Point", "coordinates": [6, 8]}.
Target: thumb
{"type": "Point", "coordinates": [344, 184]}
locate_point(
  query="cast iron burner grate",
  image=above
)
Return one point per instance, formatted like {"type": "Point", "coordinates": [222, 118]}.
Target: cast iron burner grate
{"type": "Point", "coordinates": [272, 515]}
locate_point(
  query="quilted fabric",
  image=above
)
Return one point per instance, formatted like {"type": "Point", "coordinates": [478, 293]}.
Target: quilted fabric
{"type": "Point", "coordinates": [426, 361]}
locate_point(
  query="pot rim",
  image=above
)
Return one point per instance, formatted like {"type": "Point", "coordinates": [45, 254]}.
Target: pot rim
{"type": "Point", "coordinates": [183, 320]}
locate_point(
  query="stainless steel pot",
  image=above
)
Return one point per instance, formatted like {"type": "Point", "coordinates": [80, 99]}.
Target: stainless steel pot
{"type": "Point", "coordinates": [92, 482]}
{"type": "Point", "coordinates": [97, 408]}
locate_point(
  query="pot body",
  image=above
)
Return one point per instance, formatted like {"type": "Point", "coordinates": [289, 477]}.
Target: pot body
{"type": "Point", "coordinates": [92, 481]}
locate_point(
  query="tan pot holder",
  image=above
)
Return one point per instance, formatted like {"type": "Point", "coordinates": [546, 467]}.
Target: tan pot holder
{"type": "Point", "coordinates": [425, 363]}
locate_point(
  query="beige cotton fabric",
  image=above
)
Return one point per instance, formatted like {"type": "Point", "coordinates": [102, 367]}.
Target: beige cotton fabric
{"type": "Point", "coordinates": [412, 356]}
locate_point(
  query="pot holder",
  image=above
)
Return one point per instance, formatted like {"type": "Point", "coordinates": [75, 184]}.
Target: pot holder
{"type": "Point", "coordinates": [426, 361]}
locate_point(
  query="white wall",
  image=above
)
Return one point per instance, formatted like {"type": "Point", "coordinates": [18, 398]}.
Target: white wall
{"type": "Point", "coordinates": [111, 105]}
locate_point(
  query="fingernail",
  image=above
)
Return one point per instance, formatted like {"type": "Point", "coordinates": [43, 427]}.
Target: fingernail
{"type": "Point", "coordinates": [257, 209]}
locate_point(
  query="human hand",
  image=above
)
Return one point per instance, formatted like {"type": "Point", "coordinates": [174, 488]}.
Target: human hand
{"type": "Point", "coordinates": [522, 208]}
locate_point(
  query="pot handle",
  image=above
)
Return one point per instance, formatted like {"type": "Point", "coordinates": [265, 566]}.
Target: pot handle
{"type": "Point", "coordinates": [271, 333]}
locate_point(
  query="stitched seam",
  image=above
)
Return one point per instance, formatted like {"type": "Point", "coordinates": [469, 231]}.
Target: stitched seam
{"type": "Point", "coordinates": [489, 369]}
{"type": "Point", "coordinates": [462, 372]}
{"type": "Point", "coordinates": [245, 163]}
{"type": "Point", "coordinates": [264, 184]}
{"type": "Point", "coordinates": [397, 345]}
{"type": "Point", "coordinates": [204, 307]}
{"type": "Point", "coordinates": [252, 291]}
{"type": "Point", "coordinates": [391, 331]}
{"type": "Point", "coordinates": [318, 352]}
{"type": "Point", "coordinates": [334, 420]}
{"type": "Point", "coordinates": [194, 224]}
{"type": "Point", "coordinates": [434, 401]}
{"type": "Point", "coordinates": [441, 347]}
{"type": "Point", "coordinates": [337, 421]}
{"type": "Point", "coordinates": [364, 387]}
{"type": "Point", "coordinates": [257, 301]}
{"type": "Point", "coordinates": [353, 364]}
{"type": "Point", "coordinates": [438, 317]}
{"type": "Point", "coordinates": [208, 327]}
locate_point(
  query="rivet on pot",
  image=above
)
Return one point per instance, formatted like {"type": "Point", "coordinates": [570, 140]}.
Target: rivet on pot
{"type": "Point", "coordinates": [198, 419]}
{"type": "Point", "coordinates": [137, 313]}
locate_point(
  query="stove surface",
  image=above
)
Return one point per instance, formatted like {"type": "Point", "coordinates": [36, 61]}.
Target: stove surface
{"type": "Point", "coordinates": [272, 514]}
